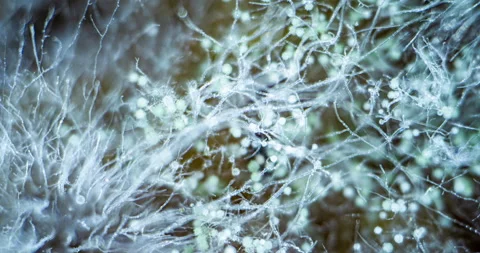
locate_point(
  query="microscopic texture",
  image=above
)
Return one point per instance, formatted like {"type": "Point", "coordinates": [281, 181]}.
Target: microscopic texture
{"type": "Point", "coordinates": [239, 126]}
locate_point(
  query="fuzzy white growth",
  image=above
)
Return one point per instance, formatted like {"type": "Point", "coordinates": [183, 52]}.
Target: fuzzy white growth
{"type": "Point", "coordinates": [398, 238]}
{"type": "Point", "coordinates": [377, 230]}
{"type": "Point", "coordinates": [230, 249]}
{"type": "Point", "coordinates": [236, 132]}
{"type": "Point", "coordinates": [142, 102]}
{"type": "Point", "coordinates": [140, 114]}
{"type": "Point", "coordinates": [254, 128]}
{"type": "Point", "coordinates": [169, 104]}
{"type": "Point", "coordinates": [133, 77]}
{"type": "Point", "coordinates": [142, 80]}
{"type": "Point", "coordinates": [387, 247]}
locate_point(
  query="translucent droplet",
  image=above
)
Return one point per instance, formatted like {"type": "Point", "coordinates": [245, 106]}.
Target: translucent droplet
{"type": "Point", "coordinates": [182, 12]}
{"type": "Point", "coordinates": [80, 200]}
